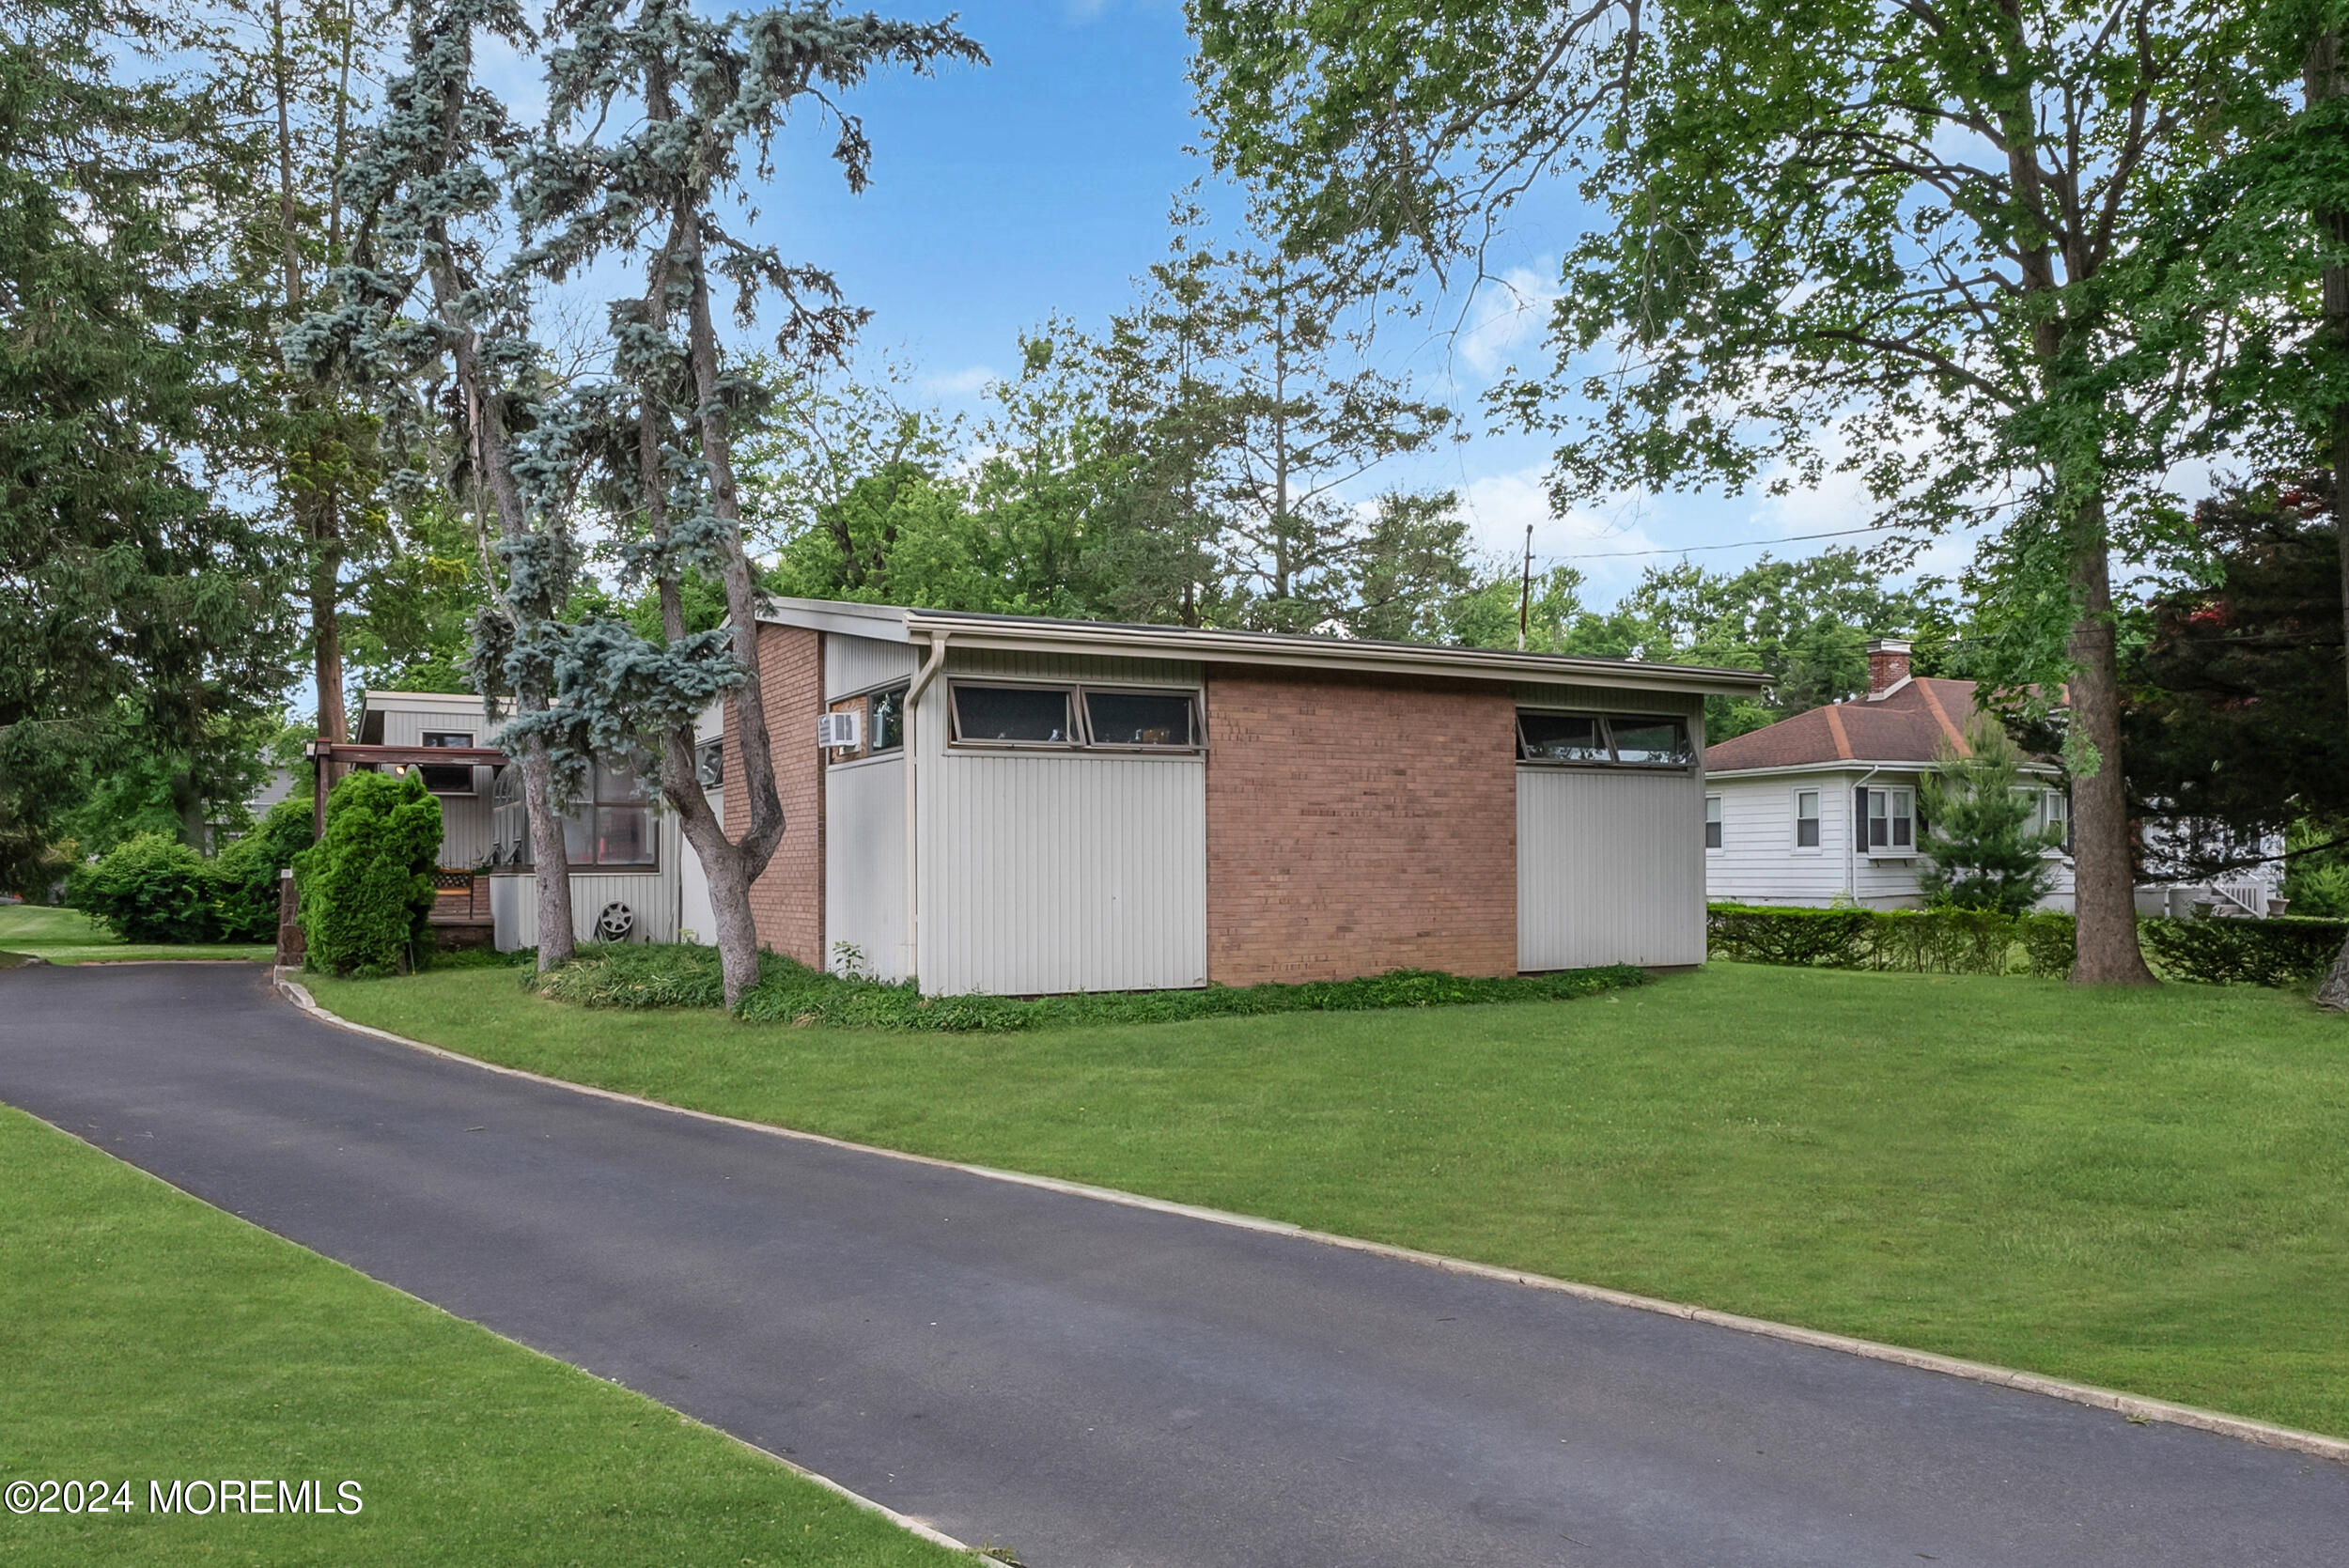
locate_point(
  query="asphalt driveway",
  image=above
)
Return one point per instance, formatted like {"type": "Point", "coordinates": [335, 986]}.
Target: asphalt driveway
{"type": "Point", "coordinates": [1097, 1385]}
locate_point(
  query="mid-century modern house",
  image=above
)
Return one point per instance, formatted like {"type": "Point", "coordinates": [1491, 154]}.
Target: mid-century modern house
{"type": "Point", "coordinates": [1824, 804]}
{"type": "Point", "coordinates": [632, 877]}
{"type": "Point", "coordinates": [1018, 805]}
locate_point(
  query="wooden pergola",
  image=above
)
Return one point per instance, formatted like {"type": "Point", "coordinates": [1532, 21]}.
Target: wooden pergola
{"type": "Point", "coordinates": [327, 755]}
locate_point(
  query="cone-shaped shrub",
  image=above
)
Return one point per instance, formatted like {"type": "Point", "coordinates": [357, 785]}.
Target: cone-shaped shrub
{"type": "Point", "coordinates": [366, 887]}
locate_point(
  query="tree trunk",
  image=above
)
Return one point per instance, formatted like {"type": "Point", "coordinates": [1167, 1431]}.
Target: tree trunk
{"type": "Point", "coordinates": [733, 871]}
{"type": "Point", "coordinates": [2103, 867]}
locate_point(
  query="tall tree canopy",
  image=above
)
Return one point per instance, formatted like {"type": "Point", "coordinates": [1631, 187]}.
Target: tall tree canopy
{"type": "Point", "coordinates": [137, 607]}
{"type": "Point", "coordinates": [1947, 249]}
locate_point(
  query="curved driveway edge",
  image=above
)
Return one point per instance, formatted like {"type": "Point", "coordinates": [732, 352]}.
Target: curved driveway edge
{"type": "Point", "coordinates": [1103, 1384]}
{"type": "Point", "coordinates": [2135, 1407]}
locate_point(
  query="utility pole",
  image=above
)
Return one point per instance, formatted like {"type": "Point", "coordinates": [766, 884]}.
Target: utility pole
{"type": "Point", "coordinates": [1525, 589]}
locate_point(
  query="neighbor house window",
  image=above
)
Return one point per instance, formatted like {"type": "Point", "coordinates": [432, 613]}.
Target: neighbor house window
{"type": "Point", "coordinates": [1712, 822]}
{"type": "Point", "coordinates": [1610, 739]}
{"type": "Point", "coordinates": [709, 764]}
{"type": "Point", "coordinates": [2057, 810]}
{"type": "Point", "coordinates": [451, 779]}
{"type": "Point", "coordinates": [1806, 819]}
{"type": "Point", "coordinates": [1014, 715]}
{"type": "Point", "coordinates": [1889, 820]}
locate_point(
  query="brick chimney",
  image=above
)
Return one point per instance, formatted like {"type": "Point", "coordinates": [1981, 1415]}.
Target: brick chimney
{"type": "Point", "coordinates": [1887, 666]}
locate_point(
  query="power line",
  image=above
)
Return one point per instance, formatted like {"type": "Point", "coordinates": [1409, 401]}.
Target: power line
{"type": "Point", "coordinates": [1684, 549]}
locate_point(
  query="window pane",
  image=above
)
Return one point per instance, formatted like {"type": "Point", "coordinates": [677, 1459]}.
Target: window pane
{"type": "Point", "coordinates": [447, 781]}
{"type": "Point", "coordinates": [709, 764]}
{"type": "Point", "coordinates": [1712, 822]}
{"type": "Point", "coordinates": [887, 730]}
{"type": "Point", "coordinates": [1806, 819]}
{"type": "Point", "coordinates": [579, 841]}
{"type": "Point", "coordinates": [1004, 713]}
{"type": "Point", "coordinates": [623, 836]}
{"type": "Point", "coordinates": [1901, 809]}
{"type": "Point", "coordinates": [618, 781]}
{"type": "Point", "coordinates": [1651, 740]}
{"type": "Point", "coordinates": [1562, 737]}
{"type": "Point", "coordinates": [1139, 719]}
{"type": "Point", "coordinates": [445, 737]}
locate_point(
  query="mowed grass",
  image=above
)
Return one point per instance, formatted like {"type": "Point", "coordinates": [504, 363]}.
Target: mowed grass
{"type": "Point", "coordinates": [151, 1337]}
{"type": "Point", "coordinates": [2148, 1191]}
{"type": "Point", "coordinates": [70, 937]}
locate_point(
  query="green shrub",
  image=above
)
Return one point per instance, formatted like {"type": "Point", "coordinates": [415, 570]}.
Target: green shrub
{"type": "Point", "coordinates": [643, 975]}
{"type": "Point", "coordinates": [2052, 945]}
{"type": "Point", "coordinates": [246, 872]}
{"type": "Point", "coordinates": [1935, 941]}
{"type": "Point", "coordinates": [149, 889]}
{"type": "Point", "coordinates": [367, 886]}
{"type": "Point", "coordinates": [2283, 952]}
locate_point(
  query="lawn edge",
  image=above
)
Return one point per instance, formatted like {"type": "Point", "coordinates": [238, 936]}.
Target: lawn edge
{"type": "Point", "coordinates": [2136, 1407]}
{"type": "Point", "coordinates": [906, 1522]}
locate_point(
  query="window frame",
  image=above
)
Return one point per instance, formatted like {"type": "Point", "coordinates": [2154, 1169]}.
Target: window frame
{"type": "Point", "coordinates": [450, 741]}
{"type": "Point", "coordinates": [1080, 741]}
{"type": "Point", "coordinates": [1607, 722]}
{"type": "Point", "coordinates": [1716, 832]}
{"type": "Point", "coordinates": [1889, 851]}
{"type": "Point", "coordinates": [648, 800]}
{"type": "Point", "coordinates": [1817, 820]}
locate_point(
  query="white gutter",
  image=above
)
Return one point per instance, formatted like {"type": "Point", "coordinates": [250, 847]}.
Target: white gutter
{"type": "Point", "coordinates": [928, 672]}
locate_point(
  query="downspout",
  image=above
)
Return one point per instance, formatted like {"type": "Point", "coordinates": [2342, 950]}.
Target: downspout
{"type": "Point", "coordinates": [1851, 840]}
{"type": "Point", "coordinates": [935, 661]}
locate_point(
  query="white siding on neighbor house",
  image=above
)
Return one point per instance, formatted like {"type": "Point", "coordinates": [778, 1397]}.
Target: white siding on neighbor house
{"type": "Point", "coordinates": [1759, 863]}
{"type": "Point", "coordinates": [697, 920]}
{"type": "Point", "coordinates": [1609, 867]}
{"type": "Point", "coordinates": [1059, 871]}
{"type": "Point", "coordinates": [856, 663]}
{"type": "Point", "coordinates": [864, 863]}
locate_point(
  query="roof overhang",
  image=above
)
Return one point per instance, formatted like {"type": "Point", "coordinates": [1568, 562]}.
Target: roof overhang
{"type": "Point", "coordinates": [404, 756]}
{"type": "Point", "coordinates": [1026, 634]}
{"type": "Point", "coordinates": [1858, 765]}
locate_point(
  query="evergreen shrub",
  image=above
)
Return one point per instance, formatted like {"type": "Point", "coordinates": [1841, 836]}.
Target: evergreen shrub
{"type": "Point", "coordinates": [149, 889]}
{"type": "Point", "coordinates": [367, 886]}
{"type": "Point", "coordinates": [638, 974]}
{"type": "Point", "coordinates": [245, 875]}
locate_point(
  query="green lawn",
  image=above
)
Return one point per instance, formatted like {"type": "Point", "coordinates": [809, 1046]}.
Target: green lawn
{"type": "Point", "coordinates": [2148, 1189]}
{"type": "Point", "coordinates": [70, 937]}
{"type": "Point", "coordinates": [151, 1337]}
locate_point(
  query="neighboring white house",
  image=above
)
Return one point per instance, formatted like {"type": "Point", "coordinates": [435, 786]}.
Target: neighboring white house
{"type": "Point", "coordinates": [1823, 806]}
{"type": "Point", "coordinates": [632, 877]}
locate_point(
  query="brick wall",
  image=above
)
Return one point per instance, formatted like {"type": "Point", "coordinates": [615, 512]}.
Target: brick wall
{"type": "Point", "coordinates": [1359, 824]}
{"type": "Point", "coordinates": [787, 899]}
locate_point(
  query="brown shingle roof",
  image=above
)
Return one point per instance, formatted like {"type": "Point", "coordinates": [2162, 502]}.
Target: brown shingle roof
{"type": "Point", "coordinates": [1909, 726]}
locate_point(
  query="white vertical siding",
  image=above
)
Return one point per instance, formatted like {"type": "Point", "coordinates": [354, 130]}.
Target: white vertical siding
{"type": "Point", "coordinates": [854, 663]}
{"type": "Point", "coordinates": [1059, 872]}
{"type": "Point", "coordinates": [864, 863]}
{"type": "Point", "coordinates": [1609, 867]}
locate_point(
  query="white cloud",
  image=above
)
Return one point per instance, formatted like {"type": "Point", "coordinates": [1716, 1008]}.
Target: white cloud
{"type": "Point", "coordinates": [967, 382]}
{"type": "Point", "coordinates": [1595, 539]}
{"type": "Point", "coordinates": [1507, 313]}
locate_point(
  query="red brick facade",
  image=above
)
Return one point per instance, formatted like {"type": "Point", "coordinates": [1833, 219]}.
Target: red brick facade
{"type": "Point", "coordinates": [787, 899]}
{"type": "Point", "coordinates": [1359, 824]}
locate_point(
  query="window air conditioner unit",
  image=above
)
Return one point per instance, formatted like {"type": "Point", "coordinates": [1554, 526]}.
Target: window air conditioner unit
{"type": "Point", "coordinates": [834, 731]}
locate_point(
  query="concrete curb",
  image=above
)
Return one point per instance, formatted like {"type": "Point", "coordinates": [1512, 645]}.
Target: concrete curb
{"type": "Point", "coordinates": [2136, 1407]}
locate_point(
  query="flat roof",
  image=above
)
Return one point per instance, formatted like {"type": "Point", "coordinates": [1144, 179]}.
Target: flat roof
{"type": "Point", "coordinates": [1046, 634]}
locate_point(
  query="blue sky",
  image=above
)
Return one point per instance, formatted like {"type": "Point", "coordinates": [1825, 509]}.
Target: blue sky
{"type": "Point", "coordinates": [1040, 184]}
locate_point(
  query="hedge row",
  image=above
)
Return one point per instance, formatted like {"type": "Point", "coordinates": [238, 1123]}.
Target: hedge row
{"type": "Point", "coordinates": [635, 975]}
{"type": "Point", "coordinates": [2282, 952]}
{"type": "Point", "coordinates": [154, 889]}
